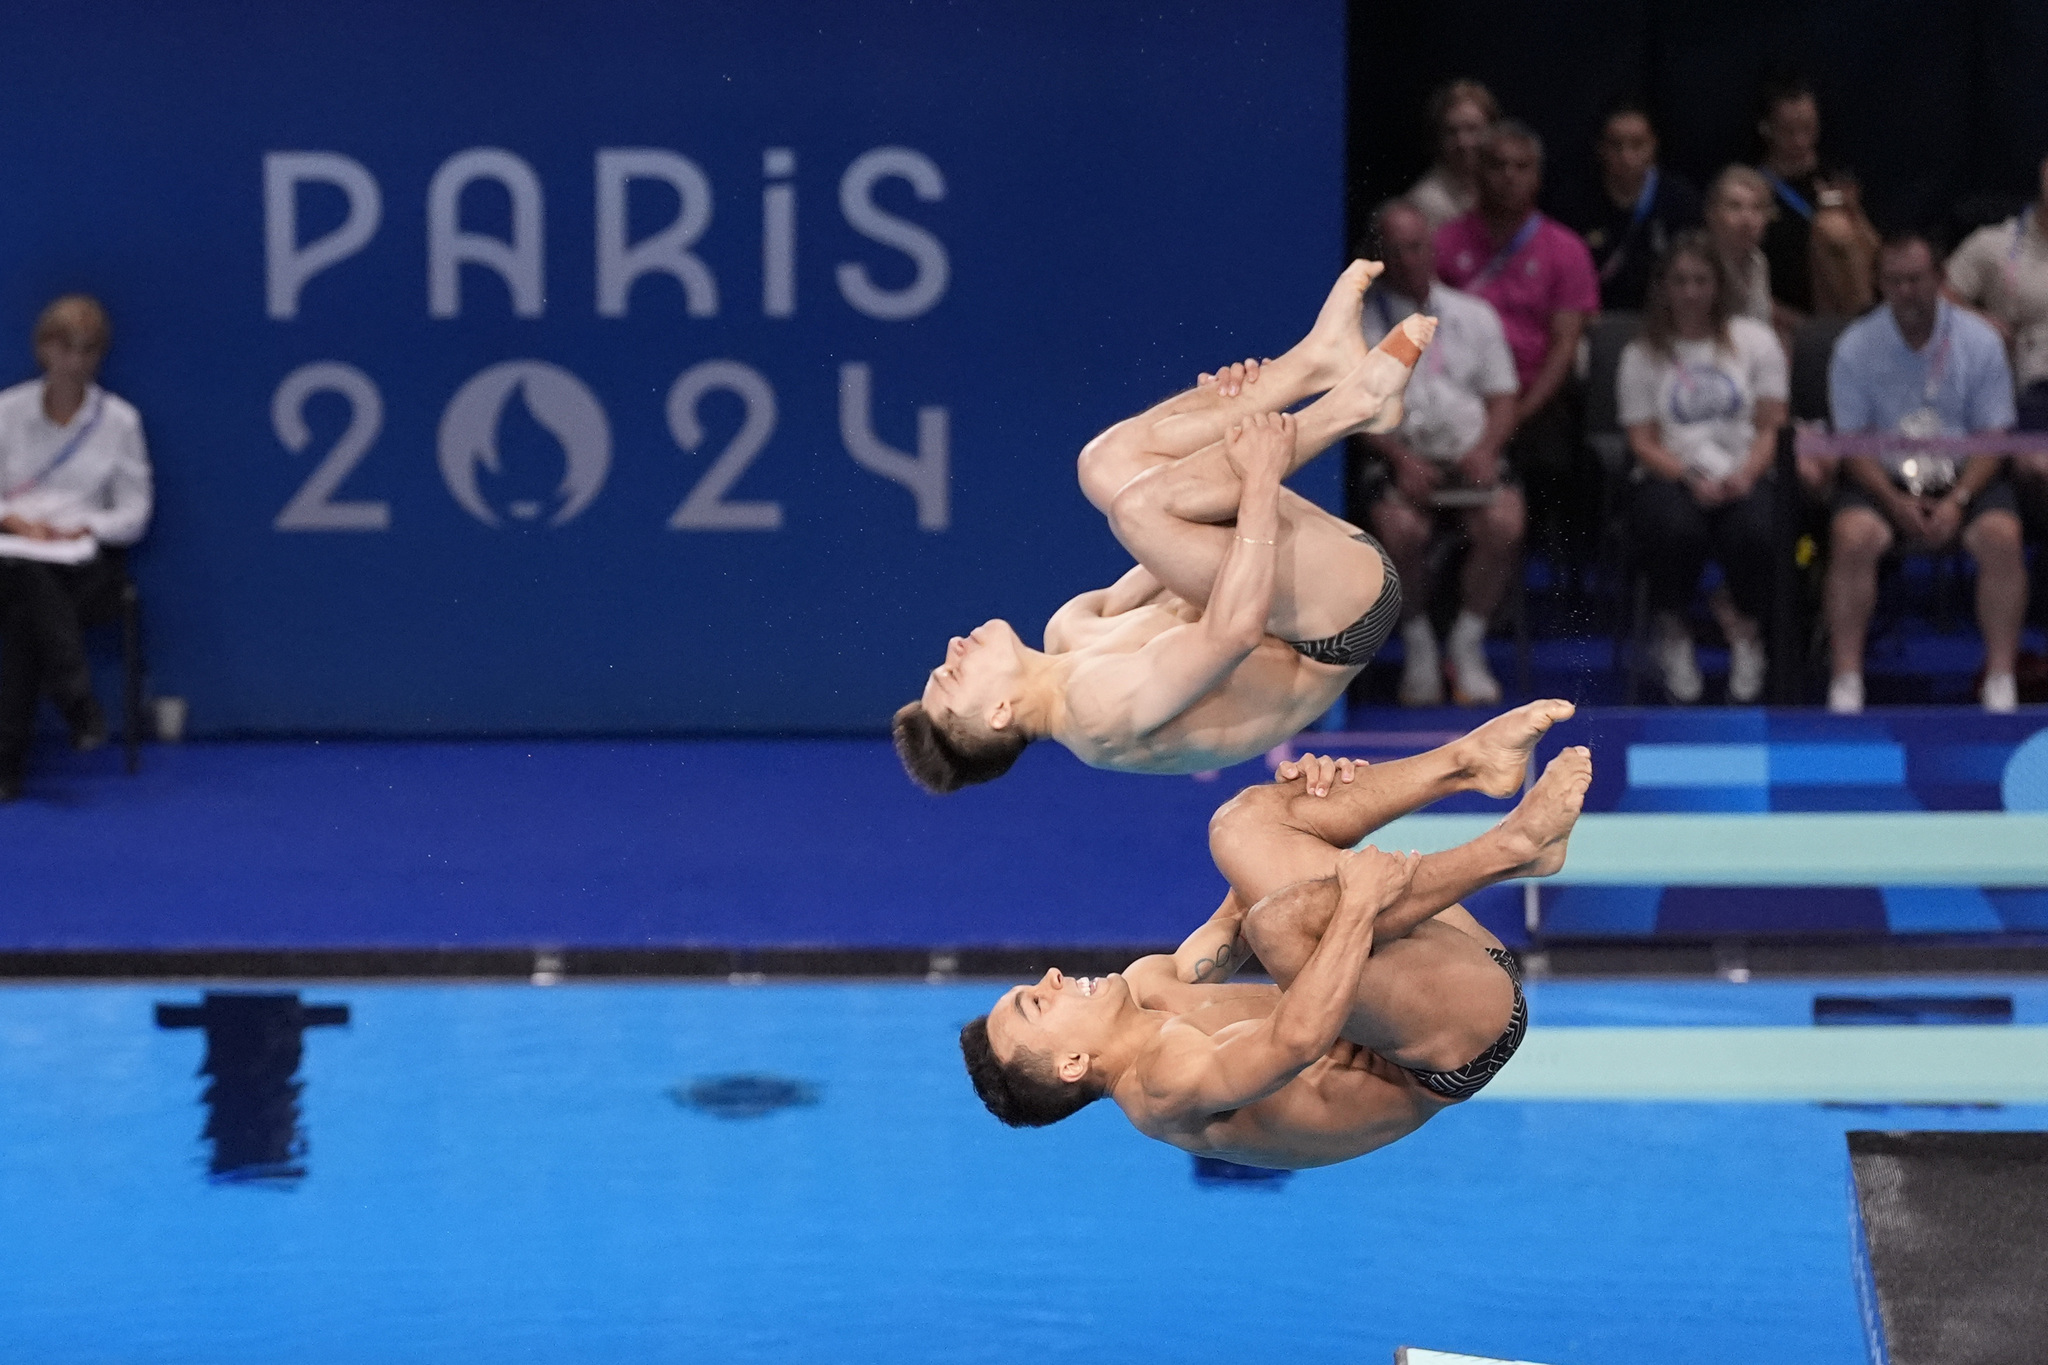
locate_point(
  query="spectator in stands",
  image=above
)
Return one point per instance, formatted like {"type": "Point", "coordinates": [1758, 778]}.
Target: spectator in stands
{"type": "Point", "coordinates": [1738, 211]}
{"type": "Point", "coordinates": [1538, 276]}
{"type": "Point", "coordinates": [1922, 367]}
{"type": "Point", "coordinates": [73, 473]}
{"type": "Point", "coordinates": [2001, 272]}
{"type": "Point", "coordinates": [1637, 210]}
{"type": "Point", "coordinates": [1459, 407]}
{"type": "Point", "coordinates": [1821, 248]}
{"type": "Point", "coordinates": [1790, 129]}
{"type": "Point", "coordinates": [1460, 113]}
{"type": "Point", "coordinates": [1702, 394]}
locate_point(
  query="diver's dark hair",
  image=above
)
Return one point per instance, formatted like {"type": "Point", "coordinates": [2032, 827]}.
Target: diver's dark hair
{"type": "Point", "coordinates": [940, 763]}
{"type": "Point", "coordinates": [1020, 1094]}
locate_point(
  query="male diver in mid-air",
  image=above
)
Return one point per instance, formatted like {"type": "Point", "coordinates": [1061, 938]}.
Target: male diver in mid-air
{"type": "Point", "coordinates": [1392, 1002]}
{"type": "Point", "coordinates": [1251, 608]}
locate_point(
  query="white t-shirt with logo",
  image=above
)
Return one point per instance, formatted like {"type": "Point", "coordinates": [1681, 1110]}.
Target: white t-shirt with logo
{"type": "Point", "coordinates": [1444, 406]}
{"type": "Point", "coordinates": [1703, 396]}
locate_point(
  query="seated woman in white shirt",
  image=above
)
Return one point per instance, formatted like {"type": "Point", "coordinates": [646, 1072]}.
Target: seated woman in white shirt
{"type": "Point", "coordinates": [1702, 395]}
{"type": "Point", "coordinates": [73, 474]}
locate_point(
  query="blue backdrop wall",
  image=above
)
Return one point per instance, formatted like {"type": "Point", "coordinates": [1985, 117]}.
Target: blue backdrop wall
{"type": "Point", "coordinates": [630, 366]}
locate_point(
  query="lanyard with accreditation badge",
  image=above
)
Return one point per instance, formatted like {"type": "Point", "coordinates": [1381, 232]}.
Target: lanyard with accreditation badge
{"type": "Point", "coordinates": [64, 453]}
{"type": "Point", "coordinates": [1645, 201]}
{"type": "Point", "coordinates": [1523, 236]}
{"type": "Point", "coordinates": [1925, 420]}
{"type": "Point", "coordinates": [1794, 200]}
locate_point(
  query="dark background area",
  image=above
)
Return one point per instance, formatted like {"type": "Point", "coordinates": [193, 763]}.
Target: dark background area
{"type": "Point", "coordinates": [1931, 104]}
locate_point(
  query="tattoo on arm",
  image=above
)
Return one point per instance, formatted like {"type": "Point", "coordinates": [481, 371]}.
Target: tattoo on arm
{"type": "Point", "coordinates": [1216, 968]}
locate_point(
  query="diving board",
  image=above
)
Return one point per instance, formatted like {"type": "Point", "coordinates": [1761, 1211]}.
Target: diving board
{"type": "Point", "coordinates": [1881, 1064]}
{"type": "Point", "coordinates": [1780, 848]}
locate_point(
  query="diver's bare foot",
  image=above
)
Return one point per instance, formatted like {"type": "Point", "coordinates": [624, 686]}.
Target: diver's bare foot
{"type": "Point", "coordinates": [1261, 446]}
{"type": "Point", "coordinates": [1335, 346]}
{"type": "Point", "coordinates": [1369, 398]}
{"type": "Point", "coordinates": [1495, 757]}
{"type": "Point", "coordinates": [1537, 830]}
{"type": "Point", "coordinates": [1390, 363]}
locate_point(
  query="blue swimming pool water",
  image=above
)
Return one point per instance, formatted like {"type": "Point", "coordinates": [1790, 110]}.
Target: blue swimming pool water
{"type": "Point", "coordinates": [499, 1173]}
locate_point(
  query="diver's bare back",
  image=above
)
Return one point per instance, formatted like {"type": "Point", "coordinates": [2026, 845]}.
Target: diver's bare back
{"type": "Point", "coordinates": [1348, 1103]}
{"type": "Point", "coordinates": [1269, 698]}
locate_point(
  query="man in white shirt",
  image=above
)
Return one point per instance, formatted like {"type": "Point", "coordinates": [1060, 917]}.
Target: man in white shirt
{"type": "Point", "coordinates": [1920, 367]}
{"type": "Point", "coordinates": [1445, 462]}
{"type": "Point", "coordinates": [2001, 272]}
{"type": "Point", "coordinates": [74, 475]}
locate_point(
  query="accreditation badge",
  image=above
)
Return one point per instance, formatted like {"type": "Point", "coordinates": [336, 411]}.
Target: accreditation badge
{"type": "Point", "coordinates": [1923, 473]}
{"type": "Point", "coordinates": [1922, 422]}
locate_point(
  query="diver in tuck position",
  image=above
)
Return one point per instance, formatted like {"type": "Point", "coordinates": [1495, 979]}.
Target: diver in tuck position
{"type": "Point", "coordinates": [1251, 608]}
{"type": "Point", "coordinates": [1392, 1002]}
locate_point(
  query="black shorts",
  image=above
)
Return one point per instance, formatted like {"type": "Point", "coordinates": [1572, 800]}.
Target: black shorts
{"type": "Point", "coordinates": [1996, 496]}
{"type": "Point", "coordinates": [1354, 646]}
{"type": "Point", "coordinates": [1470, 1078]}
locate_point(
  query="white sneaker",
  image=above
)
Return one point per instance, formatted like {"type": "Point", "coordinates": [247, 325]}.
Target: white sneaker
{"type": "Point", "coordinates": [1676, 661]}
{"type": "Point", "coordinates": [1746, 665]}
{"type": "Point", "coordinates": [1472, 682]}
{"type": "Point", "coordinates": [2001, 693]}
{"type": "Point", "coordinates": [1845, 694]}
{"type": "Point", "coordinates": [1422, 673]}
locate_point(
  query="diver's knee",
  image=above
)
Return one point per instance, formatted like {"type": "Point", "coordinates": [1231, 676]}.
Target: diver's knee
{"type": "Point", "coordinates": [1106, 464]}
{"type": "Point", "coordinates": [1288, 916]}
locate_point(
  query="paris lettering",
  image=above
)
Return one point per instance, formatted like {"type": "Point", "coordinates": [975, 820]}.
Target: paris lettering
{"type": "Point", "coordinates": [559, 401]}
